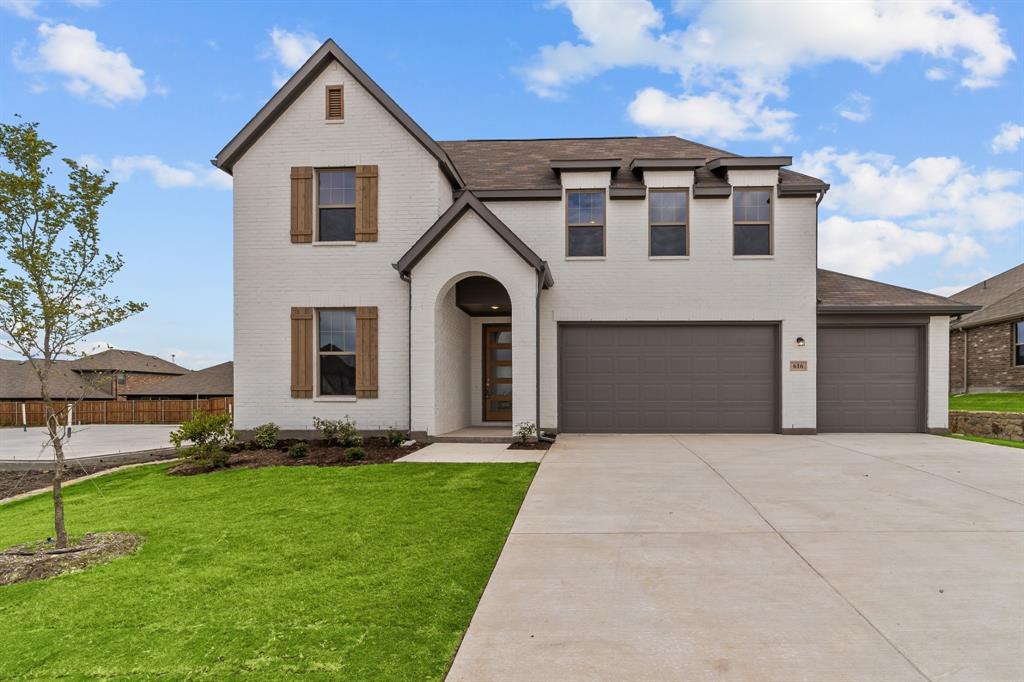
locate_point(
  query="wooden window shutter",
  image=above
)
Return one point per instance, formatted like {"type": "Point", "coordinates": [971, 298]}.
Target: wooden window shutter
{"type": "Point", "coordinates": [366, 352]}
{"type": "Point", "coordinates": [302, 352]}
{"type": "Point", "coordinates": [366, 203]}
{"type": "Point", "coordinates": [302, 204]}
{"type": "Point", "coordinates": [335, 103]}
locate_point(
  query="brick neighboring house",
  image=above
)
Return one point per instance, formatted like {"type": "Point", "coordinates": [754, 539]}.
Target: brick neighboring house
{"type": "Point", "coordinates": [986, 347]}
{"type": "Point", "coordinates": [108, 375]}
{"type": "Point", "coordinates": [213, 382]}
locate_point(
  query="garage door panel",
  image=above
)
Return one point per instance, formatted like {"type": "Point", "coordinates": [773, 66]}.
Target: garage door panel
{"type": "Point", "coordinates": [669, 378]}
{"type": "Point", "coordinates": [870, 379]}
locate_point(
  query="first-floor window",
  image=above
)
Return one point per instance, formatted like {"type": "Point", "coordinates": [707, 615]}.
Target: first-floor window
{"type": "Point", "coordinates": [1018, 343]}
{"type": "Point", "coordinates": [337, 351]}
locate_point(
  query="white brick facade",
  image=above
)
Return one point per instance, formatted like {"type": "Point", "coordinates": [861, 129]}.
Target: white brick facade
{"type": "Point", "coordinates": [443, 359]}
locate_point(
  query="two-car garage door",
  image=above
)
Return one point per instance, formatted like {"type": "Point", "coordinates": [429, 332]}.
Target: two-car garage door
{"type": "Point", "coordinates": [668, 378]}
{"type": "Point", "coordinates": [679, 378]}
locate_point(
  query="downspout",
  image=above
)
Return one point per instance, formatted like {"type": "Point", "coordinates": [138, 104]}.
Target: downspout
{"type": "Point", "coordinates": [536, 353]}
{"type": "Point", "coordinates": [408, 279]}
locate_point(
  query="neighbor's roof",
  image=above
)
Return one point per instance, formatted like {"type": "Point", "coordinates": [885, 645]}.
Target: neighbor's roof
{"type": "Point", "coordinates": [115, 360]}
{"type": "Point", "coordinates": [519, 165]}
{"type": "Point", "coordinates": [1001, 298]}
{"type": "Point", "coordinates": [212, 381]}
{"type": "Point", "coordinates": [845, 293]}
{"type": "Point", "coordinates": [18, 381]}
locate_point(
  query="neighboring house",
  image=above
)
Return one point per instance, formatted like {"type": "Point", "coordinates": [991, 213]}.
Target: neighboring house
{"type": "Point", "coordinates": [986, 347]}
{"type": "Point", "coordinates": [108, 375]}
{"type": "Point", "coordinates": [588, 285]}
{"type": "Point", "coordinates": [212, 382]}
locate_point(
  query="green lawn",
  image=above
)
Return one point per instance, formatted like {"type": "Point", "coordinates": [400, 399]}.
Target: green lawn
{"type": "Point", "coordinates": [368, 572]}
{"type": "Point", "coordinates": [993, 441]}
{"type": "Point", "coordinates": [988, 402]}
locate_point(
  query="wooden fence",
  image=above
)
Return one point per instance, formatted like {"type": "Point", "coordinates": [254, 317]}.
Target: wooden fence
{"type": "Point", "coordinates": [116, 411]}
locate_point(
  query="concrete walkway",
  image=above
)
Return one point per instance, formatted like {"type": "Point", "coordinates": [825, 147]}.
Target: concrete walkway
{"type": "Point", "coordinates": [841, 557]}
{"type": "Point", "coordinates": [87, 441]}
{"type": "Point", "coordinates": [463, 453]}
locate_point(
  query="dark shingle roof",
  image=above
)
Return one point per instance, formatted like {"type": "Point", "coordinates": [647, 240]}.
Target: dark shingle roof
{"type": "Point", "coordinates": [845, 293]}
{"type": "Point", "coordinates": [1001, 298]}
{"type": "Point", "coordinates": [115, 360]}
{"type": "Point", "coordinates": [18, 382]}
{"type": "Point", "coordinates": [212, 381]}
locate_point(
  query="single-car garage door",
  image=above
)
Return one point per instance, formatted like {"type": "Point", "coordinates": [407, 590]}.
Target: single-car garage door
{"type": "Point", "coordinates": [668, 378]}
{"type": "Point", "coordinates": [870, 379]}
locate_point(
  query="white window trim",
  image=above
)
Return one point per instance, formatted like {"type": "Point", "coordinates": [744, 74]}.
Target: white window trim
{"type": "Point", "coordinates": [772, 198]}
{"type": "Point", "coordinates": [319, 397]}
{"type": "Point", "coordinates": [685, 225]}
{"type": "Point", "coordinates": [316, 202]}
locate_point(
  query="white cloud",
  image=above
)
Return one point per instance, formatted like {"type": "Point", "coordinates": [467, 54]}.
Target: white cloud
{"type": "Point", "coordinates": [710, 115]}
{"type": "Point", "coordinates": [89, 68]}
{"type": "Point", "coordinates": [963, 250]}
{"type": "Point", "coordinates": [936, 74]}
{"type": "Point", "coordinates": [291, 50]}
{"type": "Point", "coordinates": [867, 247]}
{"type": "Point", "coordinates": [26, 9]}
{"type": "Point", "coordinates": [948, 290]}
{"type": "Point", "coordinates": [745, 52]}
{"type": "Point", "coordinates": [166, 176]}
{"type": "Point", "coordinates": [1008, 138]}
{"type": "Point", "coordinates": [856, 107]}
{"type": "Point", "coordinates": [928, 192]}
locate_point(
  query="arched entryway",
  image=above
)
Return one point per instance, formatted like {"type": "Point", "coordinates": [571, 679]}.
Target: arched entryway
{"type": "Point", "coordinates": [473, 370]}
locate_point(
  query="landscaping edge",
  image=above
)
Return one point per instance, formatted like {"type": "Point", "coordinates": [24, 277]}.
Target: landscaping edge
{"type": "Point", "coordinates": [998, 425]}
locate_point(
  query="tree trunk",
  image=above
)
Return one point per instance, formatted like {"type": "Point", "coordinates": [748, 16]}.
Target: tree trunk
{"type": "Point", "coordinates": [53, 427]}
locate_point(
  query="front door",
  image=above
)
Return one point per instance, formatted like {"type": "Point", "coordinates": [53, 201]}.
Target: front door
{"type": "Point", "coordinates": [497, 372]}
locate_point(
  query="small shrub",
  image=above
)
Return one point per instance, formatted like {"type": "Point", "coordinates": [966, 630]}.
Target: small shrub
{"type": "Point", "coordinates": [265, 435]}
{"type": "Point", "coordinates": [341, 432]}
{"type": "Point", "coordinates": [355, 454]}
{"type": "Point", "coordinates": [394, 437]}
{"type": "Point", "coordinates": [525, 432]}
{"type": "Point", "coordinates": [203, 438]}
{"type": "Point", "coordinates": [298, 451]}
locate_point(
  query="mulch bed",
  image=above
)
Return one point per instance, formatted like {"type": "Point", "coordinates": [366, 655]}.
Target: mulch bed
{"type": "Point", "coordinates": [535, 445]}
{"type": "Point", "coordinates": [378, 451]}
{"type": "Point", "coordinates": [16, 482]}
{"type": "Point", "coordinates": [39, 560]}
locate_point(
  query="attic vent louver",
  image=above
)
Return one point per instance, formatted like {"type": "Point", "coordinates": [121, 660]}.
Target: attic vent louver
{"type": "Point", "coordinates": [335, 103]}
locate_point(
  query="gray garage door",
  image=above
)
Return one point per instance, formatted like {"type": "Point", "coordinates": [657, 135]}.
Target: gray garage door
{"type": "Point", "coordinates": [870, 379]}
{"type": "Point", "coordinates": [667, 378]}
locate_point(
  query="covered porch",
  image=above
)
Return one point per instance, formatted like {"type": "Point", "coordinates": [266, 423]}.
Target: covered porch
{"type": "Point", "coordinates": [473, 330]}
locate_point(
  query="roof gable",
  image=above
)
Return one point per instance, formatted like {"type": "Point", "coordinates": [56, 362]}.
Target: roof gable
{"type": "Point", "coordinates": [217, 380]}
{"type": "Point", "coordinates": [469, 202]}
{"type": "Point", "coordinates": [1000, 297]}
{"type": "Point", "coordinates": [297, 84]}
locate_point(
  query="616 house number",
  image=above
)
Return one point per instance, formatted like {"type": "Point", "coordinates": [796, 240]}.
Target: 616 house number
{"type": "Point", "coordinates": [797, 365]}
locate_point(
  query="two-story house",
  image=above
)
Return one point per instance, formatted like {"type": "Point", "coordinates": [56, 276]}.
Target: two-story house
{"type": "Point", "coordinates": [641, 284]}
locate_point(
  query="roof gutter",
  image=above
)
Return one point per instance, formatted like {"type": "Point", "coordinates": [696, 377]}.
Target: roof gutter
{"type": "Point", "coordinates": [937, 309]}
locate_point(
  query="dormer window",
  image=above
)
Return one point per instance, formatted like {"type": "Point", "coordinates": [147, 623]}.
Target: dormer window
{"type": "Point", "coordinates": [752, 221]}
{"type": "Point", "coordinates": [584, 223]}
{"type": "Point", "coordinates": [335, 103]}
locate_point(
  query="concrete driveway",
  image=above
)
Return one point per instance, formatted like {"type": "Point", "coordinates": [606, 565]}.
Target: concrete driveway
{"type": "Point", "coordinates": [87, 441]}
{"type": "Point", "coordinates": [825, 558]}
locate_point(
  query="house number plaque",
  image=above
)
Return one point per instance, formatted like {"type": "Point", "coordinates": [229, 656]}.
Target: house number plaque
{"type": "Point", "coordinates": [797, 365]}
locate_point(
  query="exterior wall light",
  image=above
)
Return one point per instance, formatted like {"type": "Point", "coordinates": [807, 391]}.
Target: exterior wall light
{"type": "Point", "coordinates": [800, 341]}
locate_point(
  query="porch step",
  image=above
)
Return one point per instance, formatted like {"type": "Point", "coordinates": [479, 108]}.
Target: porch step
{"type": "Point", "coordinates": [471, 439]}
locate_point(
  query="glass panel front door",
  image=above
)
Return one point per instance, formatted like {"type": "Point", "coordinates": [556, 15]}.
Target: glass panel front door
{"type": "Point", "coordinates": [497, 372]}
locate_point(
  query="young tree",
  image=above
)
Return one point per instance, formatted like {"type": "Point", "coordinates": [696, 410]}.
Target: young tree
{"type": "Point", "coordinates": [52, 273]}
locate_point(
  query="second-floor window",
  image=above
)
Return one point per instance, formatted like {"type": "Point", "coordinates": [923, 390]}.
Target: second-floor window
{"type": "Point", "coordinates": [584, 223]}
{"type": "Point", "coordinates": [336, 205]}
{"type": "Point", "coordinates": [667, 213]}
{"type": "Point", "coordinates": [752, 222]}
{"type": "Point", "coordinates": [336, 351]}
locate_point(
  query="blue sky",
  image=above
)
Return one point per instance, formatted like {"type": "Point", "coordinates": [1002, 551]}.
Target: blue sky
{"type": "Point", "coordinates": [913, 112]}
